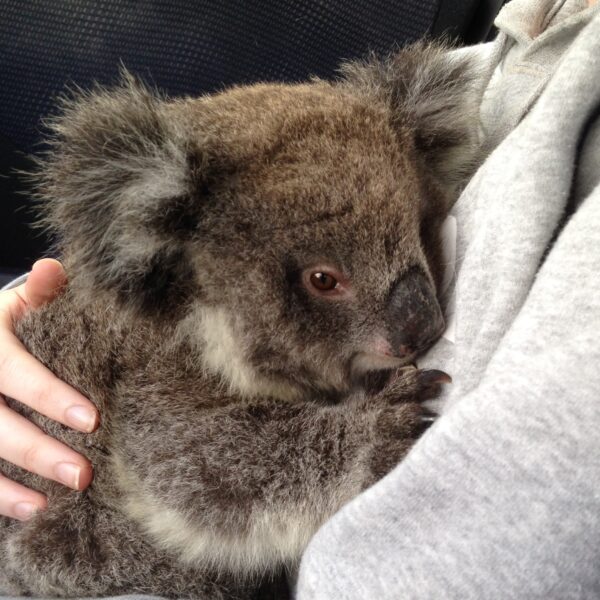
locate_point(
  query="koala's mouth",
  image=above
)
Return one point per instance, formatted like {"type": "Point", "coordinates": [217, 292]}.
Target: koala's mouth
{"type": "Point", "coordinates": [371, 372]}
{"type": "Point", "coordinates": [370, 361]}
{"type": "Point", "coordinates": [367, 362]}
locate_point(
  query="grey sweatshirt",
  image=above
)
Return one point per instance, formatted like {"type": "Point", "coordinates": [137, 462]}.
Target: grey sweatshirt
{"type": "Point", "coordinates": [501, 497]}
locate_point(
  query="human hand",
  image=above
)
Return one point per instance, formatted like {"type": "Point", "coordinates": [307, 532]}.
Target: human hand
{"type": "Point", "coordinates": [25, 379]}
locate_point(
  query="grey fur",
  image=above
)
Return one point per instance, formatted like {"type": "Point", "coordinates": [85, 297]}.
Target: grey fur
{"type": "Point", "coordinates": [239, 411]}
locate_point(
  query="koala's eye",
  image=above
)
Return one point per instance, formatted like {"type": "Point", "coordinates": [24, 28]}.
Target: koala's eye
{"type": "Point", "coordinates": [323, 281]}
{"type": "Point", "coordinates": [326, 282]}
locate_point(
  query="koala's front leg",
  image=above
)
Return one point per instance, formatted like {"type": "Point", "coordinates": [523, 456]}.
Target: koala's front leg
{"type": "Point", "coordinates": [245, 486]}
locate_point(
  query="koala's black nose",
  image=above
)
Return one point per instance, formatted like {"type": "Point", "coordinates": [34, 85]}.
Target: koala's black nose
{"type": "Point", "coordinates": [413, 314]}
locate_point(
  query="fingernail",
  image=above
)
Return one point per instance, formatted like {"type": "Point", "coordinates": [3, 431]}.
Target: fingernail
{"type": "Point", "coordinates": [68, 473]}
{"type": "Point", "coordinates": [81, 417]}
{"type": "Point", "coordinates": [25, 510]}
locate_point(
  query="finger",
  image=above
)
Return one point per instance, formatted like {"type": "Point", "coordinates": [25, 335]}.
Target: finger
{"type": "Point", "coordinates": [24, 378]}
{"type": "Point", "coordinates": [46, 280]}
{"type": "Point", "coordinates": [19, 502]}
{"type": "Point", "coordinates": [26, 446]}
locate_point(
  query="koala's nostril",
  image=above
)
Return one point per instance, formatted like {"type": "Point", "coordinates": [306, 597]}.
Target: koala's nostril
{"type": "Point", "coordinates": [414, 316]}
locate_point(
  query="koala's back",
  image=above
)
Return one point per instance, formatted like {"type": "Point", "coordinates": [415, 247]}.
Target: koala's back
{"type": "Point", "coordinates": [83, 544]}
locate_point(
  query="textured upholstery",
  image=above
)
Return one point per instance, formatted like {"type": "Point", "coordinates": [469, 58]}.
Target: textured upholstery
{"type": "Point", "coordinates": [184, 47]}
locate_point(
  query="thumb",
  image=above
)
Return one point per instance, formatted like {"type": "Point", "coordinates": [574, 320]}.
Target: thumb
{"type": "Point", "coordinates": [46, 280]}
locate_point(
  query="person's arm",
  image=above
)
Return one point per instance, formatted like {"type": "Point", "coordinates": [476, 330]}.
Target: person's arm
{"type": "Point", "coordinates": [23, 378]}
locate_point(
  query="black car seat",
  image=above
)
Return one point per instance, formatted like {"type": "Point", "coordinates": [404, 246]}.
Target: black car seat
{"type": "Point", "coordinates": [183, 47]}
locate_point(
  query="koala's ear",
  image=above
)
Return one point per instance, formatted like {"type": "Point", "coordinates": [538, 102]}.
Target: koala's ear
{"type": "Point", "coordinates": [121, 191]}
{"type": "Point", "coordinates": [433, 92]}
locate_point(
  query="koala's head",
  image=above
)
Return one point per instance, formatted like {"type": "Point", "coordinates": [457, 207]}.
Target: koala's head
{"type": "Point", "coordinates": [289, 231]}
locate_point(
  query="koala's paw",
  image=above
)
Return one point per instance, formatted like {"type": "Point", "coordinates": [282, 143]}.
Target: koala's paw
{"type": "Point", "coordinates": [402, 418]}
{"type": "Point", "coordinates": [409, 384]}
{"type": "Point", "coordinates": [397, 428]}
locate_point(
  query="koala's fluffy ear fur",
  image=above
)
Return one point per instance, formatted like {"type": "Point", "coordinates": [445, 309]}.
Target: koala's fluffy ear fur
{"type": "Point", "coordinates": [433, 91]}
{"type": "Point", "coordinates": [118, 187]}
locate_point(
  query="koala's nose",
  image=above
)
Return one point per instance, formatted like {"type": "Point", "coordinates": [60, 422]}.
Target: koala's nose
{"type": "Point", "coordinates": [413, 314]}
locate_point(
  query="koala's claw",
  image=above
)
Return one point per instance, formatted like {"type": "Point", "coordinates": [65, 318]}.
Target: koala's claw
{"type": "Point", "coordinates": [433, 376]}
{"type": "Point", "coordinates": [414, 385]}
{"type": "Point", "coordinates": [428, 418]}
{"type": "Point", "coordinates": [429, 384]}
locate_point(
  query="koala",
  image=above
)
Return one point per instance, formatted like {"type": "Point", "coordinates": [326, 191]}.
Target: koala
{"type": "Point", "coordinates": [251, 276]}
